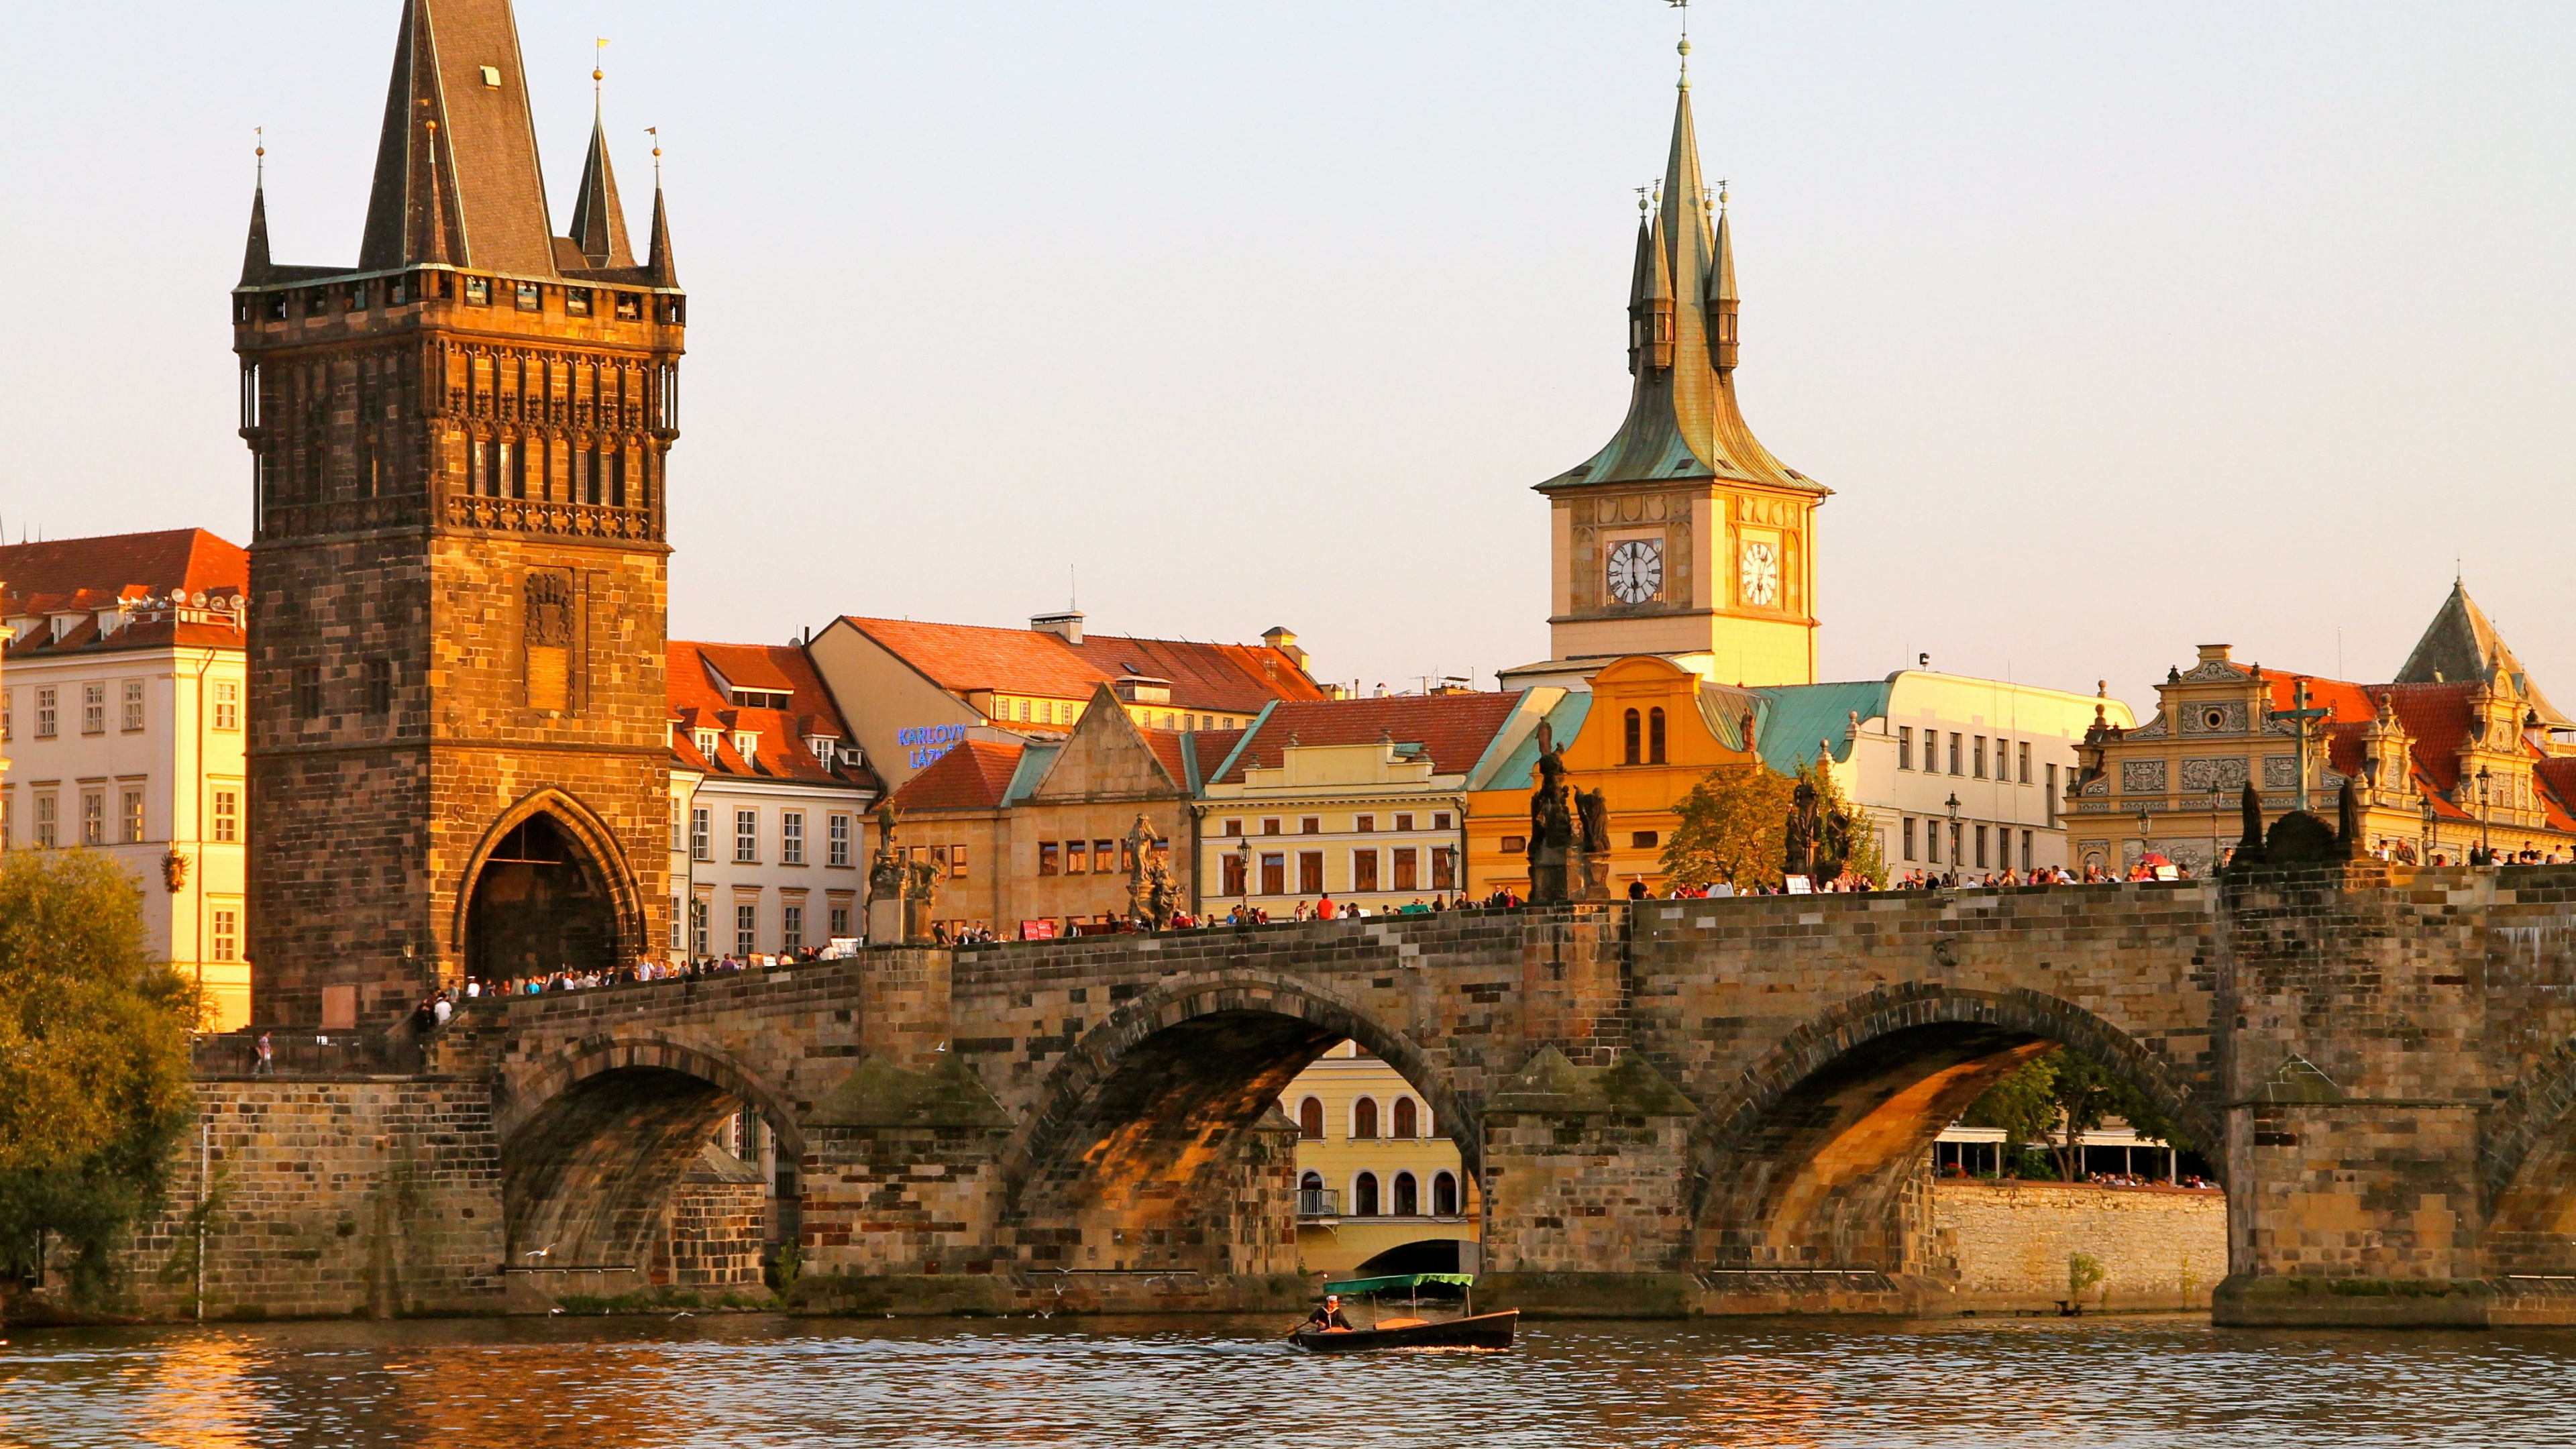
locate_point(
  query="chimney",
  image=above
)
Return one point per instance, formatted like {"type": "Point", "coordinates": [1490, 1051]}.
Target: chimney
{"type": "Point", "coordinates": [1278, 637]}
{"type": "Point", "coordinates": [1066, 625]}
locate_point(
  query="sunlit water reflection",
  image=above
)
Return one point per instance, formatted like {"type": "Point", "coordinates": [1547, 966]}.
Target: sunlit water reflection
{"type": "Point", "coordinates": [746, 1382]}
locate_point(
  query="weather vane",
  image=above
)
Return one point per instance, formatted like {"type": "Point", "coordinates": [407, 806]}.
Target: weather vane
{"type": "Point", "coordinates": [598, 65]}
{"type": "Point", "coordinates": [656, 133]}
{"type": "Point", "coordinates": [259, 151]}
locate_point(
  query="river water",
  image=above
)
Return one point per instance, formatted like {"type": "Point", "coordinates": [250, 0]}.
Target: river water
{"type": "Point", "coordinates": [755, 1382]}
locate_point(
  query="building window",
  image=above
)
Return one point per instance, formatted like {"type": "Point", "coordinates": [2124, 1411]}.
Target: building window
{"type": "Point", "coordinates": [227, 817]}
{"type": "Point", "coordinates": [1270, 827]}
{"type": "Point", "coordinates": [1406, 878]}
{"type": "Point", "coordinates": [93, 824]}
{"type": "Point", "coordinates": [1232, 871]}
{"type": "Point", "coordinates": [746, 928]}
{"type": "Point", "coordinates": [94, 709]}
{"type": "Point", "coordinates": [1954, 753]}
{"type": "Point", "coordinates": [1364, 1119]}
{"type": "Point", "coordinates": [1632, 739]}
{"type": "Point", "coordinates": [841, 921]}
{"type": "Point", "coordinates": [8, 714]}
{"type": "Point", "coordinates": [1310, 1120]}
{"type": "Point", "coordinates": [2021, 752]}
{"type": "Point", "coordinates": [836, 847]}
{"type": "Point", "coordinates": [1049, 858]}
{"type": "Point", "coordinates": [227, 934]}
{"type": "Point", "coordinates": [1077, 857]}
{"type": "Point", "coordinates": [130, 706]}
{"type": "Point", "coordinates": [791, 837]}
{"type": "Point", "coordinates": [698, 929]}
{"type": "Point", "coordinates": [45, 714]}
{"type": "Point", "coordinates": [530, 296]}
{"type": "Point", "coordinates": [576, 301]}
{"type": "Point", "coordinates": [956, 862]}
{"type": "Point", "coordinates": [1364, 1195]}
{"type": "Point", "coordinates": [1407, 1119]}
{"type": "Point", "coordinates": [1364, 823]}
{"type": "Point", "coordinates": [1908, 833]}
{"type": "Point", "coordinates": [791, 928]}
{"type": "Point", "coordinates": [1310, 872]}
{"type": "Point", "coordinates": [1644, 839]}
{"type": "Point", "coordinates": [132, 813]}
{"type": "Point", "coordinates": [1104, 856]}
{"type": "Point", "coordinates": [227, 706]}
{"type": "Point", "coordinates": [1905, 748]}
{"type": "Point", "coordinates": [1655, 736]}
{"type": "Point", "coordinates": [308, 691]}
{"type": "Point", "coordinates": [1439, 819]}
{"type": "Point", "coordinates": [2026, 854]}
{"type": "Point", "coordinates": [478, 291]}
{"type": "Point", "coordinates": [1408, 1197]}
{"type": "Point", "coordinates": [746, 837]}
{"type": "Point", "coordinates": [2051, 792]}
{"type": "Point", "coordinates": [380, 686]}
{"type": "Point", "coordinates": [1310, 825]}
{"type": "Point", "coordinates": [1444, 1195]}
{"type": "Point", "coordinates": [1513, 844]}
{"type": "Point", "coordinates": [48, 828]}
{"type": "Point", "coordinates": [1977, 758]}
{"type": "Point", "coordinates": [1403, 823]}
{"type": "Point", "coordinates": [1444, 868]}
{"type": "Point", "coordinates": [1274, 874]}
{"type": "Point", "coordinates": [1364, 870]}
{"type": "Point", "coordinates": [702, 830]}
{"type": "Point", "coordinates": [1234, 827]}
{"type": "Point", "coordinates": [1981, 847]}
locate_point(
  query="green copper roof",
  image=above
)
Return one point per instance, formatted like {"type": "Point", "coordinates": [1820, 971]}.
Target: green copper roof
{"type": "Point", "coordinates": [1799, 715]}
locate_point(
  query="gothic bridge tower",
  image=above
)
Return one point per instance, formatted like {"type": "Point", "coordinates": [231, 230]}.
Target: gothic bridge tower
{"type": "Point", "coordinates": [457, 757]}
{"type": "Point", "coordinates": [1683, 536]}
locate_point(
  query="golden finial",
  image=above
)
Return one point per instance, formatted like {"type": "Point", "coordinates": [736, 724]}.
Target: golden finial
{"type": "Point", "coordinates": [656, 133]}
{"type": "Point", "coordinates": [1721, 193]}
{"type": "Point", "coordinates": [259, 153]}
{"type": "Point", "coordinates": [598, 69]}
{"type": "Point", "coordinates": [1684, 48]}
{"type": "Point", "coordinates": [1644, 200]}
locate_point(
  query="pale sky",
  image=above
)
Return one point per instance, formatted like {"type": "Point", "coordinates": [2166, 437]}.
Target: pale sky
{"type": "Point", "coordinates": [2116, 329]}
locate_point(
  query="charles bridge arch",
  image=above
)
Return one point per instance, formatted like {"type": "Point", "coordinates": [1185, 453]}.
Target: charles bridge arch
{"type": "Point", "coordinates": [1679, 1106]}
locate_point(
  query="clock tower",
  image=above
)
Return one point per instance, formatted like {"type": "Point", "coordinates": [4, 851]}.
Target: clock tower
{"type": "Point", "coordinates": [1683, 537]}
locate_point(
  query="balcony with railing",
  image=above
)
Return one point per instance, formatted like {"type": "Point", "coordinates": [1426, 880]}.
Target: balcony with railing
{"type": "Point", "coordinates": [1319, 1202]}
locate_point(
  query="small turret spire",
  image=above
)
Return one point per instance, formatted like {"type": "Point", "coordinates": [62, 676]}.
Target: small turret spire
{"type": "Point", "coordinates": [598, 220]}
{"type": "Point", "coordinates": [658, 264]}
{"type": "Point", "coordinates": [1722, 301]}
{"type": "Point", "coordinates": [255, 261]}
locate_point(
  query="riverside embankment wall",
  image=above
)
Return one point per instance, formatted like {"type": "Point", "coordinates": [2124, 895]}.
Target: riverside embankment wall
{"type": "Point", "coordinates": [2010, 1242]}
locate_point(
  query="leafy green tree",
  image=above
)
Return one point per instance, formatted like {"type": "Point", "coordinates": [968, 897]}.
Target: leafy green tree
{"type": "Point", "coordinates": [1848, 835]}
{"type": "Point", "coordinates": [94, 1090]}
{"type": "Point", "coordinates": [2055, 1099]}
{"type": "Point", "coordinates": [2023, 1105]}
{"type": "Point", "coordinates": [1733, 827]}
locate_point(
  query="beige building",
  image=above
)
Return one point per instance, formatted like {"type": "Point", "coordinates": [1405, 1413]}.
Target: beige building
{"type": "Point", "coordinates": [1364, 800]}
{"type": "Point", "coordinates": [1379, 1186]}
{"type": "Point", "coordinates": [2460, 751]}
{"type": "Point", "coordinates": [121, 711]}
{"type": "Point", "coordinates": [766, 836]}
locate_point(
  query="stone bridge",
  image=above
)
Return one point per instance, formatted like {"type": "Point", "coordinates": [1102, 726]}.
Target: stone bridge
{"type": "Point", "coordinates": [1688, 1106]}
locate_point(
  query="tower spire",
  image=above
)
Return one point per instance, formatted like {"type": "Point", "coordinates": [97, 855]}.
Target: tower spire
{"type": "Point", "coordinates": [658, 265]}
{"type": "Point", "coordinates": [1721, 300]}
{"type": "Point", "coordinates": [598, 220]}
{"type": "Point", "coordinates": [255, 261]}
{"type": "Point", "coordinates": [457, 62]}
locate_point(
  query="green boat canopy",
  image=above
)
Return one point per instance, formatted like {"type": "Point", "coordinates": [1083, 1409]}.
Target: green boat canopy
{"type": "Point", "coordinates": [1400, 1280]}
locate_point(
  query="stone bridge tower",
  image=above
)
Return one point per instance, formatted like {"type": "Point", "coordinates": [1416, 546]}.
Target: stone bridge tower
{"type": "Point", "coordinates": [457, 739]}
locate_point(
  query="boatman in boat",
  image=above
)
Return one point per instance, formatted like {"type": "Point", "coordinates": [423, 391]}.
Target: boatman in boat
{"type": "Point", "coordinates": [1327, 1319]}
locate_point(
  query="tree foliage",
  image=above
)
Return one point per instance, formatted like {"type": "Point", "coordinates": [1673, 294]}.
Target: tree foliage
{"type": "Point", "coordinates": [2055, 1099]}
{"type": "Point", "coordinates": [1733, 827]}
{"type": "Point", "coordinates": [94, 1090]}
{"type": "Point", "coordinates": [1848, 835]}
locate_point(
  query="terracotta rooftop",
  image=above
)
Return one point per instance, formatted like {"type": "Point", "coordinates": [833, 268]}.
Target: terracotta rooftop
{"type": "Point", "coordinates": [1454, 729]}
{"type": "Point", "coordinates": [90, 575]}
{"type": "Point", "coordinates": [972, 775]}
{"type": "Point", "coordinates": [698, 701]}
{"type": "Point", "coordinates": [961, 658]}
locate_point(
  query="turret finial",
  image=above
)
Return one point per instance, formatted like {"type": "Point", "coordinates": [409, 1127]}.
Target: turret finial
{"type": "Point", "coordinates": [1684, 48]}
{"type": "Point", "coordinates": [259, 155]}
{"type": "Point", "coordinates": [598, 68]}
{"type": "Point", "coordinates": [656, 133]}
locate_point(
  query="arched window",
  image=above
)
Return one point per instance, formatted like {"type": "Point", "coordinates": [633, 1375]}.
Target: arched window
{"type": "Point", "coordinates": [1408, 1196]}
{"type": "Point", "coordinates": [1314, 1182]}
{"type": "Point", "coordinates": [1444, 1195]}
{"type": "Point", "coordinates": [1310, 1119]}
{"type": "Point", "coordinates": [1404, 1118]}
{"type": "Point", "coordinates": [1364, 1195]}
{"type": "Point", "coordinates": [1655, 736]}
{"type": "Point", "coordinates": [1364, 1118]}
{"type": "Point", "coordinates": [1629, 753]}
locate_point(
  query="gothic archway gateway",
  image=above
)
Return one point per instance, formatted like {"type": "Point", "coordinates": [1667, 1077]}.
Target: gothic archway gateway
{"type": "Point", "coordinates": [547, 890]}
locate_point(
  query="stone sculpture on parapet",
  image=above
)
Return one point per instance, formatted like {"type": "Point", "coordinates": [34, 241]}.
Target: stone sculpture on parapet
{"type": "Point", "coordinates": [1551, 840]}
{"type": "Point", "coordinates": [1151, 895]}
{"type": "Point", "coordinates": [901, 892]}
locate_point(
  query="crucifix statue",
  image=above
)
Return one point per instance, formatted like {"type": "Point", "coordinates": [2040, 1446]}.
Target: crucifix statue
{"type": "Point", "coordinates": [2304, 718]}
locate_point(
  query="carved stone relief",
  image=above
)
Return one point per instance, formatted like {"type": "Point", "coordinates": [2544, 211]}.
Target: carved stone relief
{"type": "Point", "coordinates": [2211, 717]}
{"type": "Point", "coordinates": [2227, 772]}
{"type": "Point", "coordinates": [2280, 772]}
{"type": "Point", "coordinates": [2142, 777]}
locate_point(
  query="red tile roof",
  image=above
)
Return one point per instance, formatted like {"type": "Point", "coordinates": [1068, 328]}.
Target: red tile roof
{"type": "Point", "coordinates": [1455, 728]}
{"type": "Point", "coordinates": [1237, 678]}
{"type": "Point", "coordinates": [697, 702]}
{"type": "Point", "coordinates": [2437, 717]}
{"type": "Point", "coordinates": [89, 575]}
{"type": "Point", "coordinates": [972, 775]}
{"type": "Point", "coordinates": [2558, 780]}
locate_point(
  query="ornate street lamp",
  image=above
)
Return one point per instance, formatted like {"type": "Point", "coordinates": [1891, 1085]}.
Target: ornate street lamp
{"type": "Point", "coordinates": [1243, 872]}
{"type": "Point", "coordinates": [2486, 846]}
{"type": "Point", "coordinates": [2145, 820]}
{"type": "Point", "coordinates": [1953, 807]}
{"type": "Point", "coordinates": [2429, 818]}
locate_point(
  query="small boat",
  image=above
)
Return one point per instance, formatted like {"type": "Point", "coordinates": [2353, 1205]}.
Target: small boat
{"type": "Point", "coordinates": [1407, 1328]}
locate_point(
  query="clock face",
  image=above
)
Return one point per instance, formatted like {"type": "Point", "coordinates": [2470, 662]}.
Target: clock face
{"type": "Point", "coordinates": [1761, 576]}
{"type": "Point", "coordinates": [1636, 571]}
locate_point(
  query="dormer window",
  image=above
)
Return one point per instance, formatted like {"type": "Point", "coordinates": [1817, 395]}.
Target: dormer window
{"type": "Point", "coordinates": [706, 741]}
{"type": "Point", "coordinates": [576, 301]}
{"type": "Point", "coordinates": [531, 297]}
{"type": "Point", "coordinates": [822, 746]}
{"type": "Point", "coordinates": [630, 308]}
{"type": "Point", "coordinates": [758, 698]}
{"type": "Point", "coordinates": [746, 743]}
{"type": "Point", "coordinates": [478, 291]}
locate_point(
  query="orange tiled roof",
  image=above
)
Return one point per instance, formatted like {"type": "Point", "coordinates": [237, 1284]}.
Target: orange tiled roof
{"type": "Point", "coordinates": [2437, 717]}
{"type": "Point", "coordinates": [1237, 678]}
{"type": "Point", "coordinates": [1454, 728]}
{"type": "Point", "coordinates": [780, 753]}
{"type": "Point", "coordinates": [92, 574]}
{"type": "Point", "coordinates": [972, 775]}
{"type": "Point", "coordinates": [2558, 785]}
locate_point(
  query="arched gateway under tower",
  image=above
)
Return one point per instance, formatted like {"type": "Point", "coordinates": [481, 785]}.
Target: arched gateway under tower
{"type": "Point", "coordinates": [547, 890]}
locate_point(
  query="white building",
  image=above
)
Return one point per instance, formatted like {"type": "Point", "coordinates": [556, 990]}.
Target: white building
{"type": "Point", "coordinates": [1960, 774]}
{"type": "Point", "coordinates": [769, 791]}
{"type": "Point", "coordinates": [121, 710]}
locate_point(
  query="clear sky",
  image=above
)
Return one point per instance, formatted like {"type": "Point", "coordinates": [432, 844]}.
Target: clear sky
{"type": "Point", "coordinates": [2116, 329]}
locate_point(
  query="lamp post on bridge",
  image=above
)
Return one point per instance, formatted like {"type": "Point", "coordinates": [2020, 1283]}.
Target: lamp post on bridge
{"type": "Point", "coordinates": [1243, 875]}
{"type": "Point", "coordinates": [2213, 825]}
{"type": "Point", "coordinates": [2429, 818]}
{"type": "Point", "coordinates": [2145, 845]}
{"type": "Point", "coordinates": [1953, 807]}
{"type": "Point", "coordinates": [2486, 843]}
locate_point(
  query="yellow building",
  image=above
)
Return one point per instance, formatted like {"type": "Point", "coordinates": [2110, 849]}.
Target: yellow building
{"type": "Point", "coordinates": [1379, 1187]}
{"type": "Point", "coordinates": [2460, 750]}
{"type": "Point", "coordinates": [1683, 536]}
{"type": "Point", "coordinates": [1644, 733]}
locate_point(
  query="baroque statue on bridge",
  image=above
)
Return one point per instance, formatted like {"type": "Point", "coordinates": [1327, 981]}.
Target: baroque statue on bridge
{"type": "Point", "coordinates": [1551, 838]}
{"type": "Point", "coordinates": [1151, 895]}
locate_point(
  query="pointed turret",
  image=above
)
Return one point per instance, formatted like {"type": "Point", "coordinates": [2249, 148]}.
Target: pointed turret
{"type": "Point", "coordinates": [2460, 645]}
{"type": "Point", "coordinates": [255, 263]}
{"type": "Point", "coordinates": [598, 221]}
{"type": "Point", "coordinates": [477, 194]}
{"type": "Point", "coordinates": [659, 269]}
{"type": "Point", "coordinates": [1683, 421]}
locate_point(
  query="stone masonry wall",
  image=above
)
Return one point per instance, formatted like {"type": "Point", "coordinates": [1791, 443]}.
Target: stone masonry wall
{"type": "Point", "coordinates": [2009, 1243]}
